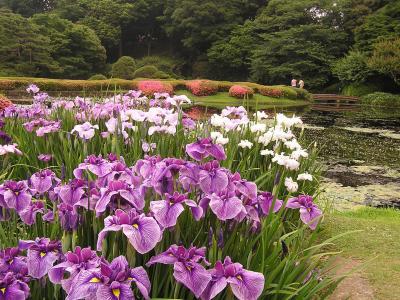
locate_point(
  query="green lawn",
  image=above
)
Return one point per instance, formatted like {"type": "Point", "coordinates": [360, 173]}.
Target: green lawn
{"type": "Point", "coordinates": [378, 245]}
{"type": "Point", "coordinates": [220, 100]}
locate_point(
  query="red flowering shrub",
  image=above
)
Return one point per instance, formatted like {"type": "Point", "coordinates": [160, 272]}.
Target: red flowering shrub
{"type": "Point", "coordinates": [271, 92]}
{"type": "Point", "coordinates": [202, 87]}
{"type": "Point", "coordinates": [239, 91]}
{"type": "Point", "coordinates": [149, 87]}
{"type": "Point", "coordinates": [4, 102]}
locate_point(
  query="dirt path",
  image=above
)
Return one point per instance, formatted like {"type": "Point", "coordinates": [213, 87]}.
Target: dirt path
{"type": "Point", "coordinates": [354, 287]}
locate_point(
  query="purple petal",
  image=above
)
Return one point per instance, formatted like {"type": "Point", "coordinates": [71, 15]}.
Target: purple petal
{"type": "Point", "coordinates": [248, 285]}
{"type": "Point", "coordinates": [142, 281]}
{"type": "Point", "coordinates": [225, 209]}
{"type": "Point", "coordinates": [144, 236]}
{"type": "Point", "coordinates": [217, 151]}
{"type": "Point", "coordinates": [118, 292]}
{"type": "Point", "coordinates": [85, 286]}
{"type": "Point", "coordinates": [39, 263]}
{"type": "Point", "coordinates": [293, 203]}
{"type": "Point", "coordinates": [193, 276]}
{"type": "Point", "coordinates": [310, 216]}
{"type": "Point", "coordinates": [166, 214]}
{"type": "Point", "coordinates": [103, 233]}
{"type": "Point", "coordinates": [214, 288]}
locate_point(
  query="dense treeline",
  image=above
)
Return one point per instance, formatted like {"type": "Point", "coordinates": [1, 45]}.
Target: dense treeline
{"type": "Point", "coordinates": [267, 41]}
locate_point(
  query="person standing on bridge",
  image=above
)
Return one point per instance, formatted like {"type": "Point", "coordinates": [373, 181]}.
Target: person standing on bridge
{"type": "Point", "coordinates": [301, 84]}
{"type": "Point", "coordinates": [293, 83]}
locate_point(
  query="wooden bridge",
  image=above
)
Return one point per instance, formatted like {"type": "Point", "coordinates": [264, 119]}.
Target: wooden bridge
{"type": "Point", "coordinates": [334, 103]}
{"type": "Point", "coordinates": [333, 98]}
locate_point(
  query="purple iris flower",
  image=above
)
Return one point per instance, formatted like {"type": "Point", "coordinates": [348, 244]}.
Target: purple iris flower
{"type": "Point", "coordinates": [188, 123]}
{"type": "Point", "coordinates": [15, 195]}
{"type": "Point", "coordinates": [5, 138]}
{"type": "Point", "coordinates": [118, 171]}
{"type": "Point", "coordinates": [212, 178]}
{"type": "Point", "coordinates": [45, 157]}
{"type": "Point", "coordinates": [204, 148]}
{"type": "Point", "coordinates": [167, 211]}
{"type": "Point", "coordinates": [72, 192]}
{"type": "Point", "coordinates": [69, 218]}
{"type": "Point", "coordinates": [110, 281]}
{"type": "Point", "coordinates": [11, 261]}
{"type": "Point", "coordinates": [11, 288]}
{"type": "Point", "coordinates": [119, 193]}
{"type": "Point", "coordinates": [43, 181]}
{"type": "Point", "coordinates": [265, 200]}
{"type": "Point", "coordinates": [77, 261]}
{"type": "Point", "coordinates": [245, 285]}
{"type": "Point", "coordinates": [2, 123]}
{"type": "Point", "coordinates": [95, 164]}
{"type": "Point", "coordinates": [309, 212]}
{"type": "Point", "coordinates": [187, 269]}
{"type": "Point", "coordinates": [189, 175]}
{"type": "Point", "coordinates": [225, 205]}
{"type": "Point", "coordinates": [246, 190]}
{"type": "Point", "coordinates": [28, 215]}
{"type": "Point", "coordinates": [42, 254]}
{"type": "Point", "coordinates": [142, 232]}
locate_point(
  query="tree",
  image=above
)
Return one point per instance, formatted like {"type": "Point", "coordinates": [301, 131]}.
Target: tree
{"type": "Point", "coordinates": [106, 17]}
{"type": "Point", "coordinates": [198, 24]}
{"type": "Point", "coordinates": [230, 58]}
{"type": "Point", "coordinates": [28, 8]}
{"type": "Point", "coordinates": [386, 58]}
{"type": "Point", "coordinates": [298, 39]}
{"type": "Point", "coordinates": [352, 68]}
{"type": "Point", "coordinates": [75, 47]}
{"type": "Point", "coordinates": [384, 23]}
{"type": "Point", "coordinates": [124, 68]}
{"type": "Point", "coordinates": [24, 50]}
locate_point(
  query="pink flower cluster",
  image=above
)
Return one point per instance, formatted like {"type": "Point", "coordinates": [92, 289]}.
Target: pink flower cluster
{"type": "Point", "coordinates": [149, 87]}
{"type": "Point", "coordinates": [239, 91]}
{"type": "Point", "coordinates": [202, 87]}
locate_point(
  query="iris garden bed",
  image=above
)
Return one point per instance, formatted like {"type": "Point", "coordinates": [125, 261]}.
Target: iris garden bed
{"type": "Point", "coordinates": [128, 196]}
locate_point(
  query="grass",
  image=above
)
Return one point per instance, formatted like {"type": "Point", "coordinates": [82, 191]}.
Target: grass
{"type": "Point", "coordinates": [378, 245]}
{"type": "Point", "coordinates": [222, 99]}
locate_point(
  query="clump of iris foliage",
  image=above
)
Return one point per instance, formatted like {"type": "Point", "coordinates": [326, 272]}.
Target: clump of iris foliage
{"type": "Point", "coordinates": [128, 197]}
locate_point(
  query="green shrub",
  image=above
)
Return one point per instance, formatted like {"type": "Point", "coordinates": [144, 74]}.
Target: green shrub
{"type": "Point", "coordinates": [169, 65]}
{"type": "Point", "coordinates": [302, 94]}
{"type": "Point", "coordinates": [124, 68]}
{"type": "Point", "coordinates": [145, 72]}
{"type": "Point", "coordinates": [381, 99]}
{"type": "Point", "coordinates": [360, 89]}
{"type": "Point", "coordinates": [160, 75]}
{"type": "Point", "coordinates": [289, 92]}
{"type": "Point", "coordinates": [352, 68]}
{"type": "Point", "coordinates": [98, 77]}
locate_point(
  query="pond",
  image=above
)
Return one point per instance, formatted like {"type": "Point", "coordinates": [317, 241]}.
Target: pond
{"type": "Point", "coordinates": [360, 150]}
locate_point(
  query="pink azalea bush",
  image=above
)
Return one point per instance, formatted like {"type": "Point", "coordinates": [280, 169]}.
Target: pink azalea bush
{"type": "Point", "coordinates": [149, 87]}
{"type": "Point", "coordinates": [271, 92]}
{"type": "Point", "coordinates": [202, 87]}
{"type": "Point", "coordinates": [240, 91]}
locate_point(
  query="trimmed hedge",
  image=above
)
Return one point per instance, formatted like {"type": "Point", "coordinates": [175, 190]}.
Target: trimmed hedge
{"type": "Point", "coordinates": [54, 85]}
